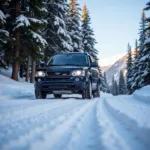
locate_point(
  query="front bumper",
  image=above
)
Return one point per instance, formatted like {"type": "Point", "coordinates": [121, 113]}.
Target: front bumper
{"type": "Point", "coordinates": [69, 83]}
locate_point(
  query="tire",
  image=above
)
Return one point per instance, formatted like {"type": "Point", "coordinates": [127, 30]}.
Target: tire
{"type": "Point", "coordinates": [96, 93]}
{"type": "Point", "coordinates": [57, 96]}
{"type": "Point", "coordinates": [87, 93]}
{"type": "Point", "coordinates": [40, 95]}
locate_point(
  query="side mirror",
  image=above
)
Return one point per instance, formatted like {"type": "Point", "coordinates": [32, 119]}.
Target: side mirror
{"type": "Point", "coordinates": [94, 64]}
{"type": "Point", "coordinates": [42, 65]}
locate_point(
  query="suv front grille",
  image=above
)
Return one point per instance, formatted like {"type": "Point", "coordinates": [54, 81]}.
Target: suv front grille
{"type": "Point", "coordinates": [57, 79]}
{"type": "Point", "coordinates": [60, 73]}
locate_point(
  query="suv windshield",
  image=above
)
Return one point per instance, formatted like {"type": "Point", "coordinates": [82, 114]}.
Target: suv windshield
{"type": "Point", "coordinates": [68, 60]}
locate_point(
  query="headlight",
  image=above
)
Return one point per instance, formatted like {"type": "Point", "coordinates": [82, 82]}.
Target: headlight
{"type": "Point", "coordinates": [40, 74]}
{"type": "Point", "coordinates": [78, 73]}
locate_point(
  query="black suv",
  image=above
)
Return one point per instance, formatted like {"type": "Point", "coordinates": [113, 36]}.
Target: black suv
{"type": "Point", "coordinates": [68, 73]}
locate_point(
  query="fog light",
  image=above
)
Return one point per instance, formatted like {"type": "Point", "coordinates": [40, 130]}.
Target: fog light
{"type": "Point", "coordinates": [39, 80]}
{"type": "Point", "coordinates": [77, 79]}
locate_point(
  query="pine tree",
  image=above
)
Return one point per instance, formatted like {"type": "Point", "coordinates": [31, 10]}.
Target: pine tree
{"type": "Point", "coordinates": [129, 70]}
{"type": "Point", "coordinates": [145, 55]}
{"type": "Point", "coordinates": [135, 67]}
{"type": "Point", "coordinates": [143, 36]}
{"type": "Point", "coordinates": [56, 33]}
{"type": "Point", "coordinates": [140, 65]}
{"type": "Point", "coordinates": [103, 86]}
{"type": "Point", "coordinates": [121, 86]}
{"type": "Point", "coordinates": [136, 53]}
{"type": "Point", "coordinates": [9, 8]}
{"type": "Point", "coordinates": [73, 25]}
{"type": "Point", "coordinates": [28, 24]}
{"type": "Point", "coordinates": [114, 87]}
{"type": "Point", "coordinates": [88, 34]}
{"type": "Point", "coordinates": [106, 84]}
{"type": "Point", "coordinates": [4, 34]}
{"type": "Point", "coordinates": [17, 43]}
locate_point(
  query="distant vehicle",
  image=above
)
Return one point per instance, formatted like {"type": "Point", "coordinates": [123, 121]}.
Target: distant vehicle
{"type": "Point", "coordinates": [68, 73]}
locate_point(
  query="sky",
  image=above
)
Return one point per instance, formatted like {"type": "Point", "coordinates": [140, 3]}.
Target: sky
{"type": "Point", "coordinates": [115, 24]}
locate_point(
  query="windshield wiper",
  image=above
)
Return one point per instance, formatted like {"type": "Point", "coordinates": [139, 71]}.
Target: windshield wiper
{"type": "Point", "coordinates": [54, 65]}
{"type": "Point", "coordinates": [72, 65]}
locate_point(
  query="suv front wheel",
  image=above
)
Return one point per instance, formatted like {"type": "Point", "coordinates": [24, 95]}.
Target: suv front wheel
{"type": "Point", "coordinates": [40, 95]}
{"type": "Point", "coordinates": [87, 93]}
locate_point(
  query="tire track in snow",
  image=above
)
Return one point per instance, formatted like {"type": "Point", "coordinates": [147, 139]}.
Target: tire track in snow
{"type": "Point", "coordinates": [30, 111]}
{"type": "Point", "coordinates": [122, 137]}
{"type": "Point", "coordinates": [15, 106]}
{"type": "Point", "coordinates": [47, 121]}
{"type": "Point", "coordinates": [109, 135]}
{"type": "Point", "coordinates": [59, 137]}
{"type": "Point", "coordinates": [85, 133]}
{"type": "Point", "coordinates": [133, 131]}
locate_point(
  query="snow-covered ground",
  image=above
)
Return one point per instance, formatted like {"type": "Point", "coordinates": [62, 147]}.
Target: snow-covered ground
{"type": "Point", "coordinates": [106, 123]}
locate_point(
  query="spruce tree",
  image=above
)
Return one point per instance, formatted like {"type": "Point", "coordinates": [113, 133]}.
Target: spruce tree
{"type": "Point", "coordinates": [138, 76]}
{"type": "Point", "coordinates": [129, 70]}
{"type": "Point", "coordinates": [4, 34]}
{"type": "Point", "coordinates": [136, 50]}
{"type": "Point", "coordinates": [145, 55]}
{"type": "Point", "coordinates": [17, 47]}
{"type": "Point", "coordinates": [121, 85]}
{"type": "Point", "coordinates": [73, 25]}
{"type": "Point", "coordinates": [103, 86]}
{"type": "Point", "coordinates": [56, 32]}
{"type": "Point", "coordinates": [88, 34]}
{"type": "Point", "coordinates": [135, 68]}
{"type": "Point", "coordinates": [114, 87]}
{"type": "Point", "coordinates": [25, 24]}
{"type": "Point", "coordinates": [106, 83]}
{"type": "Point", "coordinates": [9, 9]}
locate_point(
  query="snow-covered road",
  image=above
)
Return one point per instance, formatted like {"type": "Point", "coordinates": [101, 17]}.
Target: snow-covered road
{"type": "Point", "coordinates": [72, 124]}
{"type": "Point", "coordinates": [106, 123]}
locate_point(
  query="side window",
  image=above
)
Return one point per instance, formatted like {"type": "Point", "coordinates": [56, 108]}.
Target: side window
{"type": "Point", "coordinates": [90, 60]}
{"type": "Point", "coordinates": [93, 60]}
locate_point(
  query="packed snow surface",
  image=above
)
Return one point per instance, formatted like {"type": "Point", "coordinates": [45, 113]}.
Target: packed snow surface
{"type": "Point", "coordinates": [106, 123]}
{"type": "Point", "coordinates": [143, 94]}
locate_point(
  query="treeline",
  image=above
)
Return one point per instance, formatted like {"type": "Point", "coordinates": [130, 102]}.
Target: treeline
{"type": "Point", "coordinates": [32, 31]}
{"type": "Point", "coordinates": [138, 64]}
{"type": "Point", "coordinates": [118, 88]}
{"type": "Point", "coordinates": [138, 61]}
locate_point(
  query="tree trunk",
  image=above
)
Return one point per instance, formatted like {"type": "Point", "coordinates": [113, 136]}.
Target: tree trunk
{"type": "Point", "coordinates": [33, 71]}
{"type": "Point", "coordinates": [17, 46]}
{"type": "Point", "coordinates": [21, 71]}
{"type": "Point", "coordinates": [28, 69]}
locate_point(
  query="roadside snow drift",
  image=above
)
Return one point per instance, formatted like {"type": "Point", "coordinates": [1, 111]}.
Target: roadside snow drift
{"type": "Point", "coordinates": [143, 94]}
{"type": "Point", "coordinates": [10, 89]}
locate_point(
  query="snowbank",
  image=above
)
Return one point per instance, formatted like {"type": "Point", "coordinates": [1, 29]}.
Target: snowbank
{"type": "Point", "coordinates": [8, 73]}
{"type": "Point", "coordinates": [10, 89]}
{"type": "Point", "coordinates": [132, 117]}
{"type": "Point", "coordinates": [143, 94]}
